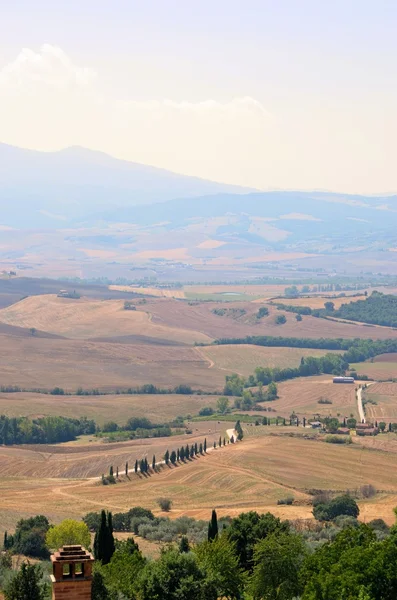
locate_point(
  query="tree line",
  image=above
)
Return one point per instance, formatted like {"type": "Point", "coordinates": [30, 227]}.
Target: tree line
{"type": "Point", "coordinates": [44, 430]}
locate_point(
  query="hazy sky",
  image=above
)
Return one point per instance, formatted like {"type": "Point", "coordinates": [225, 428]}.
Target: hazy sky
{"type": "Point", "coordinates": [270, 94]}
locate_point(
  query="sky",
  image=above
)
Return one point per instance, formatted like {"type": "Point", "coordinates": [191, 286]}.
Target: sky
{"type": "Point", "coordinates": [281, 94]}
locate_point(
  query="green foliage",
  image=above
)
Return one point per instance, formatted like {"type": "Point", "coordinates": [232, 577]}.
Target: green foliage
{"type": "Point", "coordinates": [377, 309]}
{"type": "Point", "coordinates": [341, 505]}
{"type": "Point", "coordinates": [277, 562]}
{"type": "Point", "coordinates": [247, 529]}
{"type": "Point", "coordinates": [291, 292]}
{"type": "Point", "coordinates": [175, 576]}
{"type": "Point", "coordinates": [222, 405]}
{"type": "Point", "coordinates": [207, 411]}
{"type": "Point", "coordinates": [165, 504]}
{"type": "Point", "coordinates": [262, 312]}
{"type": "Point", "coordinates": [45, 430]}
{"type": "Point", "coordinates": [27, 584]}
{"type": "Point", "coordinates": [30, 537]}
{"type": "Point", "coordinates": [219, 561]}
{"type": "Point", "coordinates": [338, 439]}
{"type": "Point", "coordinates": [280, 319]}
{"type": "Point", "coordinates": [68, 533]}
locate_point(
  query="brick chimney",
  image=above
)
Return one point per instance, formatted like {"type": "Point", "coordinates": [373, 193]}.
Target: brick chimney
{"type": "Point", "coordinates": [71, 573]}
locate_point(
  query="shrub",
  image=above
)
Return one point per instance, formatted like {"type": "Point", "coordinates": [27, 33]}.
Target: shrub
{"type": "Point", "coordinates": [368, 490]}
{"type": "Point", "coordinates": [280, 319]}
{"type": "Point", "coordinates": [207, 411]}
{"type": "Point", "coordinates": [337, 439]}
{"type": "Point", "coordinates": [165, 504]}
{"type": "Point", "coordinates": [288, 500]}
{"type": "Point", "coordinates": [341, 505]}
{"type": "Point", "coordinates": [324, 401]}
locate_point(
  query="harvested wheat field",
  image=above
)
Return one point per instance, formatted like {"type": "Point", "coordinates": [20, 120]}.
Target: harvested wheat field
{"type": "Point", "coordinates": [244, 358]}
{"type": "Point", "coordinates": [149, 291]}
{"type": "Point", "coordinates": [40, 363]}
{"type": "Point", "coordinates": [199, 317]}
{"type": "Point", "coordinates": [158, 408]}
{"type": "Point", "coordinates": [385, 396]}
{"type": "Point", "coordinates": [302, 395]}
{"type": "Point", "coordinates": [318, 301]}
{"type": "Point", "coordinates": [91, 459]}
{"type": "Point", "coordinates": [381, 367]}
{"type": "Point", "coordinates": [251, 475]}
{"type": "Point", "coordinates": [83, 319]}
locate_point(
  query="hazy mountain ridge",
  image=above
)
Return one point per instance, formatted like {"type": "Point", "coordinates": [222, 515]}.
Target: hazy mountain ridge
{"type": "Point", "coordinates": [44, 189]}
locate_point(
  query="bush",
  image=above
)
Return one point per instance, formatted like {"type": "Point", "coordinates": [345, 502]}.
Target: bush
{"type": "Point", "coordinates": [288, 500]}
{"type": "Point", "coordinates": [324, 401]}
{"type": "Point", "coordinates": [338, 439]}
{"type": "Point", "coordinates": [368, 490]}
{"type": "Point", "coordinates": [280, 319]}
{"type": "Point", "coordinates": [165, 504]}
{"type": "Point", "coordinates": [207, 411]}
{"type": "Point", "coordinates": [341, 505]}
{"type": "Point", "coordinates": [262, 312]}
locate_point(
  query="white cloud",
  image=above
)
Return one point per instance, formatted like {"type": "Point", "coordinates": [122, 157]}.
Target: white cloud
{"type": "Point", "coordinates": [51, 66]}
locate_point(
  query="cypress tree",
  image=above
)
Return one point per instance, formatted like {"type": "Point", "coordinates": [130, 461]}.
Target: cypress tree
{"type": "Point", "coordinates": [220, 442]}
{"type": "Point", "coordinates": [191, 451]}
{"type": "Point", "coordinates": [213, 527]}
{"type": "Point", "coordinates": [173, 457]}
{"type": "Point", "coordinates": [100, 538]}
{"type": "Point", "coordinates": [126, 469]}
{"type": "Point", "coordinates": [195, 448]}
{"type": "Point", "coordinates": [205, 445]}
{"type": "Point", "coordinates": [5, 541]}
{"type": "Point", "coordinates": [224, 441]}
{"type": "Point", "coordinates": [182, 453]}
{"type": "Point", "coordinates": [167, 457]}
{"type": "Point", "coordinates": [154, 463]}
{"type": "Point", "coordinates": [232, 439]}
{"type": "Point", "coordinates": [146, 466]}
{"type": "Point", "coordinates": [184, 545]}
{"type": "Point", "coordinates": [117, 472]}
{"type": "Point", "coordinates": [214, 444]}
{"type": "Point", "coordinates": [142, 466]}
{"type": "Point", "coordinates": [178, 456]}
{"type": "Point", "coordinates": [136, 466]}
{"type": "Point", "coordinates": [201, 448]}
{"type": "Point", "coordinates": [187, 451]}
{"type": "Point", "coordinates": [110, 538]}
{"type": "Point", "coordinates": [111, 471]}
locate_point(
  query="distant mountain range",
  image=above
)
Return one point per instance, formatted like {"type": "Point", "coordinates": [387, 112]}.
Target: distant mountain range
{"type": "Point", "coordinates": [77, 188]}
{"type": "Point", "coordinates": [48, 189]}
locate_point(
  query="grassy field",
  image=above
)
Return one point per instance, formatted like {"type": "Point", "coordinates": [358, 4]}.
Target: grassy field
{"type": "Point", "coordinates": [381, 367]}
{"type": "Point", "coordinates": [385, 396]}
{"type": "Point", "coordinates": [91, 459]}
{"type": "Point", "coordinates": [244, 358]}
{"type": "Point", "coordinates": [301, 396]}
{"type": "Point", "coordinates": [119, 408]}
{"type": "Point", "coordinates": [33, 362]}
{"type": "Point", "coordinates": [83, 319]}
{"type": "Point", "coordinates": [318, 301]}
{"type": "Point", "coordinates": [251, 475]}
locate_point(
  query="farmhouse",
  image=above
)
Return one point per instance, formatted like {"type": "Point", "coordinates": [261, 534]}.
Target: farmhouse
{"type": "Point", "coordinates": [366, 429]}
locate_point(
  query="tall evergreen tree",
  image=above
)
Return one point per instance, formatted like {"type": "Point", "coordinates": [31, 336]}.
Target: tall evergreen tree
{"type": "Point", "coordinates": [126, 469]}
{"type": "Point", "coordinates": [201, 448]}
{"type": "Point", "coordinates": [182, 453]}
{"type": "Point", "coordinates": [178, 455]}
{"type": "Point", "coordinates": [220, 442]}
{"type": "Point", "coordinates": [146, 465]}
{"type": "Point", "coordinates": [224, 441]}
{"type": "Point", "coordinates": [205, 445]}
{"type": "Point", "coordinates": [191, 451]}
{"type": "Point", "coordinates": [213, 527]}
{"type": "Point", "coordinates": [187, 451]}
{"type": "Point", "coordinates": [136, 466]}
{"type": "Point", "coordinates": [100, 538]}
{"type": "Point", "coordinates": [195, 448]}
{"type": "Point", "coordinates": [110, 544]}
{"type": "Point", "coordinates": [167, 457]}
{"type": "Point", "coordinates": [117, 472]}
{"type": "Point", "coordinates": [154, 463]}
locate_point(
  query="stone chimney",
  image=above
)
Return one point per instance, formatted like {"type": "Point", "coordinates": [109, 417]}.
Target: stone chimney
{"type": "Point", "coordinates": [71, 573]}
